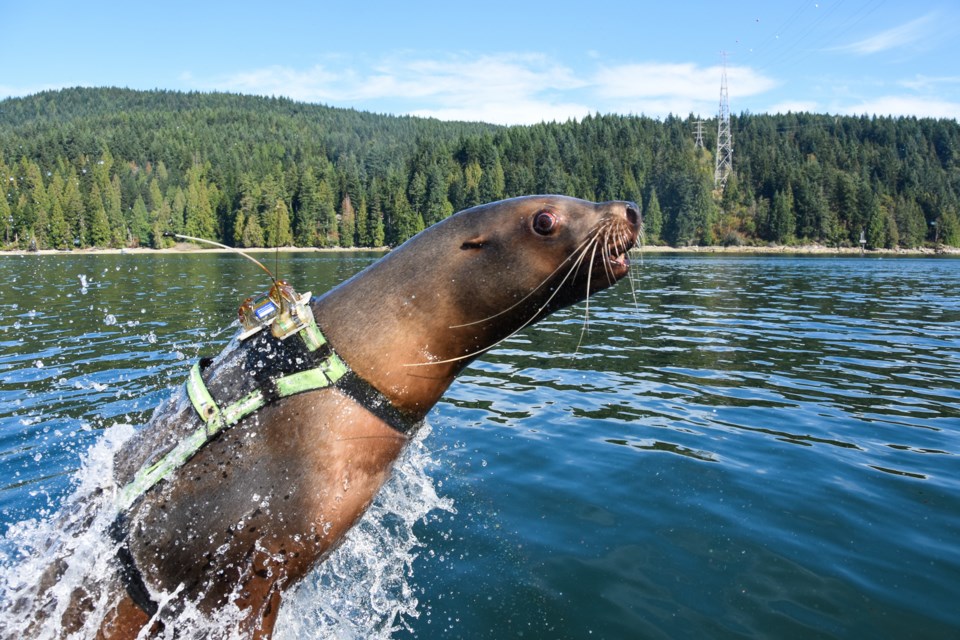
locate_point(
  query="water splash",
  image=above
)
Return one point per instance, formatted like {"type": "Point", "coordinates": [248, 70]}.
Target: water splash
{"type": "Point", "coordinates": [73, 538]}
{"type": "Point", "coordinates": [361, 591]}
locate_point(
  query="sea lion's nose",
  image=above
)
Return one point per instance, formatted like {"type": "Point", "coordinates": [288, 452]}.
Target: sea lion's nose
{"type": "Point", "coordinates": [633, 214]}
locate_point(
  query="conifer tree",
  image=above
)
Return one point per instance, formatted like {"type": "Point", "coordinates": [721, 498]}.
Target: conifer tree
{"type": "Point", "coordinates": [239, 224]}
{"type": "Point", "coordinates": [140, 223]}
{"type": "Point", "coordinates": [252, 233]}
{"type": "Point", "coordinates": [199, 220]}
{"type": "Point", "coordinates": [653, 220]}
{"type": "Point", "coordinates": [58, 236]}
{"type": "Point", "coordinates": [6, 220]}
{"type": "Point", "coordinates": [781, 224]}
{"type": "Point", "coordinates": [276, 224]}
{"type": "Point", "coordinates": [377, 230]}
{"type": "Point", "coordinates": [348, 222]}
{"type": "Point", "coordinates": [100, 235]}
{"type": "Point", "coordinates": [113, 206]}
{"type": "Point", "coordinates": [307, 210]}
{"type": "Point", "coordinates": [362, 223]}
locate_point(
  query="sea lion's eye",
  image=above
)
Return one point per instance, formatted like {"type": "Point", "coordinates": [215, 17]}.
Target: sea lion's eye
{"type": "Point", "coordinates": [544, 223]}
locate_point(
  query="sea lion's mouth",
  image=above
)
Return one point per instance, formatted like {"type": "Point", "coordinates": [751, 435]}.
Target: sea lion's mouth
{"type": "Point", "coordinates": [616, 258]}
{"type": "Point", "coordinates": [621, 260]}
{"type": "Point", "coordinates": [617, 265]}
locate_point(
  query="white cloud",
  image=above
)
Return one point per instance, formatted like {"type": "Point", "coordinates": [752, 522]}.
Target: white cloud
{"type": "Point", "coordinates": [508, 88]}
{"type": "Point", "coordinates": [684, 80]}
{"type": "Point", "coordinates": [316, 84]}
{"type": "Point", "coordinates": [905, 106]}
{"type": "Point", "coordinates": [524, 112]}
{"type": "Point", "coordinates": [923, 83]}
{"type": "Point", "coordinates": [659, 89]}
{"type": "Point", "coordinates": [793, 106]}
{"type": "Point", "coordinates": [504, 88]}
{"type": "Point", "coordinates": [9, 91]}
{"type": "Point", "coordinates": [903, 35]}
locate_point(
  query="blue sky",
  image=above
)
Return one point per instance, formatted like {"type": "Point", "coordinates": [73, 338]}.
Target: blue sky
{"type": "Point", "coordinates": [503, 62]}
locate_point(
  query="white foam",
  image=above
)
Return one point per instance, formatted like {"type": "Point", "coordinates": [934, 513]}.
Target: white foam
{"type": "Point", "coordinates": [362, 590]}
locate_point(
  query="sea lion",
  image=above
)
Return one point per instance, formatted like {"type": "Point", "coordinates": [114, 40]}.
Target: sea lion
{"type": "Point", "coordinates": [254, 509]}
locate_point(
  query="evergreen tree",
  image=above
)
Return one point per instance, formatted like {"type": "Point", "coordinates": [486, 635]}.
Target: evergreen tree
{"type": "Point", "coordinates": [199, 220]}
{"type": "Point", "coordinates": [407, 222]}
{"type": "Point", "coordinates": [35, 204]}
{"type": "Point", "coordinates": [191, 157]}
{"type": "Point", "coordinates": [239, 226]}
{"type": "Point", "coordinates": [155, 196]}
{"type": "Point", "coordinates": [472, 174]}
{"type": "Point", "coordinates": [100, 235]}
{"type": "Point", "coordinates": [348, 222]}
{"type": "Point", "coordinates": [306, 213]}
{"type": "Point", "coordinates": [162, 223]}
{"type": "Point", "coordinates": [277, 231]}
{"type": "Point", "coordinates": [140, 223]}
{"type": "Point", "coordinates": [58, 236]}
{"type": "Point", "coordinates": [417, 191]}
{"type": "Point", "coordinates": [252, 233]}
{"type": "Point", "coordinates": [112, 203]}
{"type": "Point", "coordinates": [492, 179]}
{"type": "Point", "coordinates": [781, 223]}
{"type": "Point", "coordinates": [437, 205]}
{"type": "Point", "coordinates": [911, 225]}
{"type": "Point", "coordinates": [328, 231]}
{"type": "Point", "coordinates": [362, 222]}
{"type": "Point", "coordinates": [73, 211]}
{"type": "Point", "coordinates": [178, 208]}
{"type": "Point", "coordinates": [6, 220]}
{"type": "Point", "coordinates": [653, 220]}
{"type": "Point", "coordinates": [949, 227]}
{"type": "Point", "coordinates": [375, 227]}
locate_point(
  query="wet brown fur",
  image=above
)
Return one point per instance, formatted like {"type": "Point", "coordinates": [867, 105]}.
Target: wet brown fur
{"type": "Point", "coordinates": [254, 511]}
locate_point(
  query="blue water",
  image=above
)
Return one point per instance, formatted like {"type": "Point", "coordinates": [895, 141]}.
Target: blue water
{"type": "Point", "coordinates": [728, 446]}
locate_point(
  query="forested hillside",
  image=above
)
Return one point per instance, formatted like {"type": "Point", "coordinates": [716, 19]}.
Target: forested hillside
{"type": "Point", "coordinates": [115, 167]}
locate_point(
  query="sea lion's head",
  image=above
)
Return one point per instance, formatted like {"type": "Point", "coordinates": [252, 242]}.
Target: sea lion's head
{"type": "Point", "coordinates": [536, 254]}
{"type": "Point", "coordinates": [410, 322]}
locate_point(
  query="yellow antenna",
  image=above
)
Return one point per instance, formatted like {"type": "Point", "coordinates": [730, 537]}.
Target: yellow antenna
{"type": "Point", "coordinates": [223, 246]}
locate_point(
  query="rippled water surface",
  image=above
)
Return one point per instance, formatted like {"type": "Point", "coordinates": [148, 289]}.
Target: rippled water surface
{"type": "Point", "coordinates": [734, 446]}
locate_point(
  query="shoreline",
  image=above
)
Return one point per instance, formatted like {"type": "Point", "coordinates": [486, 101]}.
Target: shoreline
{"type": "Point", "coordinates": [809, 249]}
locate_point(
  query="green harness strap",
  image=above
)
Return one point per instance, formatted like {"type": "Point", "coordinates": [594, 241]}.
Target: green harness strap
{"type": "Point", "coordinates": [216, 419]}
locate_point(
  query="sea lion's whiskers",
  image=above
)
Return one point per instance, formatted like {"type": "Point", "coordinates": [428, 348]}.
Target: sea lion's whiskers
{"type": "Point", "coordinates": [586, 310]}
{"type": "Point", "coordinates": [615, 243]}
{"type": "Point", "coordinates": [574, 268]}
{"type": "Point", "coordinates": [638, 248]}
{"type": "Point", "coordinates": [610, 239]}
{"type": "Point", "coordinates": [532, 291]}
{"type": "Point", "coordinates": [583, 250]}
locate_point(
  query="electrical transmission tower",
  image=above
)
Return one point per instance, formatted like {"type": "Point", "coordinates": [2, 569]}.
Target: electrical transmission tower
{"type": "Point", "coordinates": [698, 143]}
{"type": "Point", "coordinates": [724, 140]}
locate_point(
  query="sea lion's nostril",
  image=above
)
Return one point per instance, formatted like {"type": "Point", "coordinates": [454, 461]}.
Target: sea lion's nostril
{"type": "Point", "coordinates": [633, 214]}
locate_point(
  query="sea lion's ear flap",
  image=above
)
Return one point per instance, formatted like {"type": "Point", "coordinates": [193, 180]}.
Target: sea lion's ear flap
{"type": "Point", "coordinates": [478, 242]}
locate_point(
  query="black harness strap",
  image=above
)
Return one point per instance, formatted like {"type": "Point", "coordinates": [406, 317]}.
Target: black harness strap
{"type": "Point", "coordinates": [130, 575]}
{"type": "Point", "coordinates": [370, 398]}
{"type": "Point", "coordinates": [300, 359]}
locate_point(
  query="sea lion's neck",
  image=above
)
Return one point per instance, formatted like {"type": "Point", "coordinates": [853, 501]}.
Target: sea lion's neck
{"type": "Point", "coordinates": [392, 321]}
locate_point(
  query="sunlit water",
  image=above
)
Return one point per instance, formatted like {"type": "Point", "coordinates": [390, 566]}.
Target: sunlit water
{"type": "Point", "coordinates": [735, 447]}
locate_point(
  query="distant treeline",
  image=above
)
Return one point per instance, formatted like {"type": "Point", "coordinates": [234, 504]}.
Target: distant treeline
{"type": "Point", "coordinates": [119, 168]}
